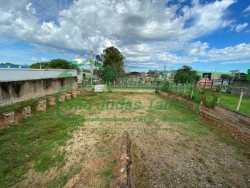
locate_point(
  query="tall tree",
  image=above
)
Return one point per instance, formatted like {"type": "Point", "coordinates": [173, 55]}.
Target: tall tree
{"type": "Point", "coordinates": [241, 76]}
{"type": "Point", "coordinates": [234, 73]}
{"type": "Point", "coordinates": [112, 63]}
{"type": "Point", "coordinates": [186, 75]}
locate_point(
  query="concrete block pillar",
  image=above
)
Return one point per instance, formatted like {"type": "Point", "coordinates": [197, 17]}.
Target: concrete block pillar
{"type": "Point", "coordinates": [41, 106]}
{"type": "Point", "coordinates": [26, 111]}
{"type": "Point", "coordinates": [68, 96]}
{"type": "Point", "coordinates": [74, 94]}
{"type": "Point", "coordinates": [52, 101]}
{"type": "Point", "coordinates": [62, 97]}
{"type": "Point", "coordinates": [9, 118]}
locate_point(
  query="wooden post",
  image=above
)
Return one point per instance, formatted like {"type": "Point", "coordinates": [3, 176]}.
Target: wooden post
{"type": "Point", "coordinates": [91, 66]}
{"type": "Point", "coordinates": [192, 93]}
{"type": "Point", "coordinates": [241, 95]}
{"type": "Point", "coordinates": [184, 90]}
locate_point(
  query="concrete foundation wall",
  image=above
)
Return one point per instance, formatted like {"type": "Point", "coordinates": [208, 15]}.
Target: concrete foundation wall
{"type": "Point", "coordinates": [17, 91]}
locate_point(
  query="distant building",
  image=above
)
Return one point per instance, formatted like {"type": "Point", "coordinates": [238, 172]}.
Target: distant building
{"type": "Point", "coordinates": [14, 66]}
{"type": "Point", "coordinates": [211, 75]}
{"type": "Point", "coordinates": [137, 74]}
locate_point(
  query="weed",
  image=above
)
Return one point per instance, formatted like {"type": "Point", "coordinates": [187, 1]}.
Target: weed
{"type": "Point", "coordinates": [164, 174]}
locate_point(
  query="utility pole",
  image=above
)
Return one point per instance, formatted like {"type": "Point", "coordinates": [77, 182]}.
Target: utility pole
{"type": "Point", "coordinates": [91, 65]}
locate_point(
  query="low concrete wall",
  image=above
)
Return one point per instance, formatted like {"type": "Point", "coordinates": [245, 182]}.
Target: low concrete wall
{"type": "Point", "coordinates": [237, 125]}
{"type": "Point", "coordinates": [17, 91]}
{"type": "Point", "coordinates": [124, 163]}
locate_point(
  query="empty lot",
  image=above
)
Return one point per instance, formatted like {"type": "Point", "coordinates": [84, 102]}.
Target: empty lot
{"type": "Point", "coordinates": [76, 144]}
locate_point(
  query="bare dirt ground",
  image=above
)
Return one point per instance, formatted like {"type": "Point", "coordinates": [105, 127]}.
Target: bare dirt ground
{"type": "Point", "coordinates": [166, 151]}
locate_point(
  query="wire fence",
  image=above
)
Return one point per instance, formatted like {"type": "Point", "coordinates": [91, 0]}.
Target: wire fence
{"type": "Point", "coordinates": [234, 98]}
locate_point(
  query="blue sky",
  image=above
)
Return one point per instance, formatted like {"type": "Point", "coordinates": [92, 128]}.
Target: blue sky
{"type": "Point", "coordinates": [206, 35]}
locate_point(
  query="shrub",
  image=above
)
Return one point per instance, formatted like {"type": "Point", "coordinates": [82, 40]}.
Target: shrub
{"type": "Point", "coordinates": [208, 97]}
{"type": "Point", "coordinates": [166, 86]}
{"type": "Point", "coordinates": [211, 100]}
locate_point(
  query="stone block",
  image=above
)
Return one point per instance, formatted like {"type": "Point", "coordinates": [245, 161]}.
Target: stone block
{"type": "Point", "coordinates": [74, 94]}
{"type": "Point", "coordinates": [9, 118]}
{"type": "Point", "coordinates": [41, 106]}
{"type": "Point", "coordinates": [52, 101]}
{"type": "Point", "coordinates": [26, 111]}
{"type": "Point", "coordinates": [68, 96]}
{"type": "Point", "coordinates": [62, 98]}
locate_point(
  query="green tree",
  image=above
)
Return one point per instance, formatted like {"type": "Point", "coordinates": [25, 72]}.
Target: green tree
{"type": "Point", "coordinates": [237, 75]}
{"type": "Point", "coordinates": [234, 73]}
{"type": "Point", "coordinates": [241, 76]}
{"type": "Point", "coordinates": [150, 72]}
{"type": "Point", "coordinates": [38, 65]}
{"type": "Point", "coordinates": [226, 76]}
{"type": "Point", "coordinates": [7, 64]}
{"type": "Point", "coordinates": [59, 64]}
{"type": "Point", "coordinates": [112, 62]}
{"type": "Point", "coordinates": [54, 64]}
{"type": "Point", "coordinates": [186, 75]}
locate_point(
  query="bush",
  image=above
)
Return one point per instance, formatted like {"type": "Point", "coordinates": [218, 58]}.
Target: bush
{"type": "Point", "coordinates": [211, 100]}
{"type": "Point", "coordinates": [208, 97]}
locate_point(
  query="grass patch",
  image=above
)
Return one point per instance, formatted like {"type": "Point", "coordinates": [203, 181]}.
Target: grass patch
{"type": "Point", "coordinates": [108, 174]}
{"type": "Point", "coordinates": [34, 142]}
{"type": "Point", "coordinates": [62, 178]}
{"type": "Point", "coordinates": [231, 102]}
{"type": "Point", "coordinates": [164, 174]}
{"type": "Point", "coordinates": [192, 130]}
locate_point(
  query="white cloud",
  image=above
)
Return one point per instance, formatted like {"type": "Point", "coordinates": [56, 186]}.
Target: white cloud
{"type": "Point", "coordinates": [96, 24]}
{"type": "Point", "coordinates": [43, 59]}
{"type": "Point", "coordinates": [34, 59]}
{"type": "Point", "coordinates": [239, 51]}
{"type": "Point", "coordinates": [144, 31]}
{"type": "Point", "coordinates": [247, 9]}
{"type": "Point", "coordinates": [241, 27]}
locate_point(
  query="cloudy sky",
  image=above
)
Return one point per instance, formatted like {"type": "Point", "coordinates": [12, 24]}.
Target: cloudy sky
{"type": "Point", "coordinates": [205, 34]}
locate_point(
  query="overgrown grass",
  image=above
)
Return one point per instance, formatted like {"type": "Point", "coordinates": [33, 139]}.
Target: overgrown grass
{"type": "Point", "coordinates": [231, 102]}
{"type": "Point", "coordinates": [33, 143]}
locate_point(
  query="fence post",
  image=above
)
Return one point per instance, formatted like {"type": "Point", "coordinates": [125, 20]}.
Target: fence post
{"type": "Point", "coordinates": [184, 90]}
{"type": "Point", "coordinates": [239, 103]}
{"type": "Point", "coordinates": [192, 93]}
